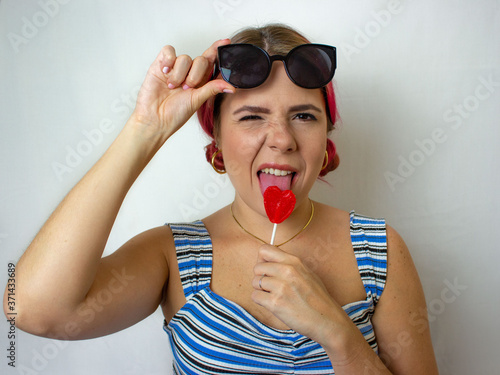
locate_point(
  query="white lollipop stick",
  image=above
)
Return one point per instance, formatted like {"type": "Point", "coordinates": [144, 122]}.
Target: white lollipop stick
{"type": "Point", "coordinates": [274, 233]}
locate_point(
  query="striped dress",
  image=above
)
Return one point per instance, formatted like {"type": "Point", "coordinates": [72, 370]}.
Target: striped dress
{"type": "Point", "coordinates": [212, 335]}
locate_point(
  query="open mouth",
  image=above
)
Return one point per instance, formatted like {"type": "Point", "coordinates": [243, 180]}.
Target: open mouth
{"type": "Point", "coordinates": [275, 177]}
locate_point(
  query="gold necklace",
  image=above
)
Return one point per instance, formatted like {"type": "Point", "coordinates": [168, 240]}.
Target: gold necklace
{"type": "Point", "coordinates": [281, 244]}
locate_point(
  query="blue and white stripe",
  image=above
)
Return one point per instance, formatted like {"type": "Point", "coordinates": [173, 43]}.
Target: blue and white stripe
{"type": "Point", "coordinates": [212, 335]}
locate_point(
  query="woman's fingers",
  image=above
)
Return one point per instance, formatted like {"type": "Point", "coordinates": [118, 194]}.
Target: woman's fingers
{"type": "Point", "coordinates": [269, 254]}
{"type": "Point", "coordinates": [211, 53]}
{"type": "Point", "coordinates": [203, 66]}
{"type": "Point", "coordinates": [166, 58]}
{"type": "Point", "coordinates": [179, 71]}
{"type": "Point", "coordinates": [211, 56]}
{"type": "Point", "coordinates": [163, 63]}
{"type": "Point", "coordinates": [176, 86]}
{"type": "Point", "coordinates": [267, 283]}
{"type": "Point", "coordinates": [183, 71]}
{"type": "Point", "coordinates": [210, 89]}
{"type": "Point", "coordinates": [291, 292]}
{"type": "Point", "coordinates": [277, 267]}
{"type": "Point", "coordinates": [199, 69]}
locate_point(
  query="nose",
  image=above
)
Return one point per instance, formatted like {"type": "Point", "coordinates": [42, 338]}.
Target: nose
{"type": "Point", "coordinates": [280, 137]}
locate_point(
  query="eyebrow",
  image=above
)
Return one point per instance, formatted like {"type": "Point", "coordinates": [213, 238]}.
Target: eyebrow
{"type": "Point", "coordinates": [257, 109]}
{"type": "Point", "coordinates": [304, 107]}
{"type": "Point", "coordinates": [253, 109]}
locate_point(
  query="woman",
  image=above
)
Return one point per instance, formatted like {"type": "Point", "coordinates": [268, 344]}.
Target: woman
{"type": "Point", "coordinates": [336, 289]}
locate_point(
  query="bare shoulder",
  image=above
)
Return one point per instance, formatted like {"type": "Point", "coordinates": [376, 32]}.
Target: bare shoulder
{"type": "Point", "coordinates": [397, 246]}
{"type": "Point", "coordinates": [331, 216]}
{"type": "Point", "coordinates": [150, 246]}
{"type": "Point", "coordinates": [219, 225]}
{"type": "Point", "coordinates": [402, 279]}
{"type": "Point", "coordinates": [331, 230]}
{"type": "Point", "coordinates": [400, 266]}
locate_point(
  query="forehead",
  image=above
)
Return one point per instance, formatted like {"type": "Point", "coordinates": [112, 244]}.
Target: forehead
{"type": "Point", "coordinates": [277, 91]}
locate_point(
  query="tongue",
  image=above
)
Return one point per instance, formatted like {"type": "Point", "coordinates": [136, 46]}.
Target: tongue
{"type": "Point", "coordinates": [283, 182]}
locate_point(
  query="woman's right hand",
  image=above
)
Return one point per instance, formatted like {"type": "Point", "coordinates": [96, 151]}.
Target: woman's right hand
{"type": "Point", "coordinates": [174, 88]}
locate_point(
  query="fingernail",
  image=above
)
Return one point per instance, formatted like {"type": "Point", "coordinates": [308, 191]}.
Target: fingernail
{"type": "Point", "coordinates": [171, 86]}
{"type": "Point", "coordinates": [228, 91]}
{"type": "Point", "coordinates": [185, 87]}
{"type": "Point", "coordinates": [165, 70]}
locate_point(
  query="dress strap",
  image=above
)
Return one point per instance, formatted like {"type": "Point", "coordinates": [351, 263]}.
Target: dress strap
{"type": "Point", "coordinates": [369, 241]}
{"type": "Point", "coordinates": [194, 256]}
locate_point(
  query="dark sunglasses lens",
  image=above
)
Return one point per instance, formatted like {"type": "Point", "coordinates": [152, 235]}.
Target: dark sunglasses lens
{"type": "Point", "coordinates": [243, 66]}
{"type": "Point", "coordinates": [311, 66]}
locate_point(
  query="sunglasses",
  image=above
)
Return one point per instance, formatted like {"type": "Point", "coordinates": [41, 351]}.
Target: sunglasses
{"type": "Point", "coordinates": [246, 66]}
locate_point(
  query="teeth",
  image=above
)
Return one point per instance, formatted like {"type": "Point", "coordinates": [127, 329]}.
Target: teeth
{"type": "Point", "coordinates": [276, 172]}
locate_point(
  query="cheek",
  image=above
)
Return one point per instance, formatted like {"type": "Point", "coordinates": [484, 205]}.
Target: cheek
{"type": "Point", "coordinates": [239, 151]}
{"type": "Point", "coordinates": [317, 149]}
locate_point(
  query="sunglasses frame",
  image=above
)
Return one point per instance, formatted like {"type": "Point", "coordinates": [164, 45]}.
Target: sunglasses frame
{"type": "Point", "coordinates": [331, 51]}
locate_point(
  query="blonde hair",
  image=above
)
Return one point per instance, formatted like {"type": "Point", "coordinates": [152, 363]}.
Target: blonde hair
{"type": "Point", "coordinates": [276, 39]}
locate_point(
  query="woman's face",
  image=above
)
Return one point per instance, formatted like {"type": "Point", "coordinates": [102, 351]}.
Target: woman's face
{"type": "Point", "coordinates": [277, 125]}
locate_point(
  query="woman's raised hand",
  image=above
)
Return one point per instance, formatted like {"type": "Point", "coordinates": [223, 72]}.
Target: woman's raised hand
{"type": "Point", "coordinates": [66, 262]}
{"type": "Point", "coordinates": [174, 88]}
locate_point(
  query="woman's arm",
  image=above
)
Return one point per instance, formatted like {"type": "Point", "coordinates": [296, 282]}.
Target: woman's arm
{"type": "Point", "coordinates": [61, 271]}
{"type": "Point", "coordinates": [400, 319]}
{"type": "Point", "coordinates": [61, 280]}
{"type": "Point", "coordinates": [405, 345]}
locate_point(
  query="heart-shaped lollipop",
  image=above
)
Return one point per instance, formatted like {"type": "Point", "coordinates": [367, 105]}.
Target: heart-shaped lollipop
{"type": "Point", "coordinates": [279, 205]}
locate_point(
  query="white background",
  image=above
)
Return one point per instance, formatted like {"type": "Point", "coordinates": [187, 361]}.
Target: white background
{"type": "Point", "coordinates": [418, 87]}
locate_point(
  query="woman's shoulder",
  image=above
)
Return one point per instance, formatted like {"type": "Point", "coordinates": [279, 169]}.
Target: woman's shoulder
{"type": "Point", "coordinates": [340, 217]}
{"type": "Point", "coordinates": [355, 227]}
{"type": "Point", "coordinates": [352, 217]}
{"type": "Point", "coordinates": [332, 214]}
{"type": "Point", "coordinates": [158, 240]}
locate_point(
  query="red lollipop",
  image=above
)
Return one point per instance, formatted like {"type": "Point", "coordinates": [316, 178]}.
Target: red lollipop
{"type": "Point", "coordinates": [279, 205]}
